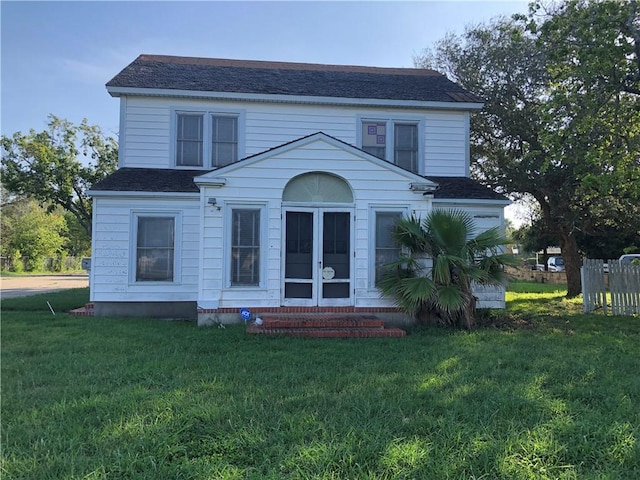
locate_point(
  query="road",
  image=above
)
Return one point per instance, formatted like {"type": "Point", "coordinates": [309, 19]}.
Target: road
{"type": "Point", "coordinates": [23, 286]}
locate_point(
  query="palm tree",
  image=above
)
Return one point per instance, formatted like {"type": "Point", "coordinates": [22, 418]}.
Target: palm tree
{"type": "Point", "coordinates": [442, 260]}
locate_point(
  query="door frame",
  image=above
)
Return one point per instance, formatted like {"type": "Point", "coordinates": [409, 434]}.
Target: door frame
{"type": "Point", "coordinates": [316, 299]}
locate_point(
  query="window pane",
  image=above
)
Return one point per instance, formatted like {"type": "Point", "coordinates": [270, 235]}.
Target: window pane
{"type": "Point", "coordinates": [190, 127]}
{"type": "Point", "coordinates": [407, 136]}
{"type": "Point", "coordinates": [406, 146]}
{"type": "Point", "coordinates": [224, 140]}
{"type": "Point", "coordinates": [376, 152]}
{"type": "Point", "coordinates": [336, 233]}
{"type": "Point", "coordinates": [299, 239]}
{"type": "Point", "coordinates": [245, 247]}
{"type": "Point", "coordinates": [223, 154]}
{"type": "Point", "coordinates": [155, 249]}
{"type": "Point", "coordinates": [190, 154]}
{"type": "Point", "coordinates": [317, 187]}
{"type": "Point", "coordinates": [407, 160]}
{"type": "Point", "coordinates": [335, 290]}
{"type": "Point", "coordinates": [298, 290]}
{"type": "Point", "coordinates": [374, 138]}
{"type": "Point", "coordinates": [387, 251]}
{"type": "Point", "coordinates": [189, 139]}
{"type": "Point", "coordinates": [225, 129]}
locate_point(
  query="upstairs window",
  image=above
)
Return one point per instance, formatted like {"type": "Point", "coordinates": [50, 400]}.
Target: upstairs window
{"type": "Point", "coordinates": [395, 141]}
{"type": "Point", "coordinates": [205, 139]}
{"type": "Point", "coordinates": [374, 139]}
{"type": "Point", "coordinates": [405, 146]}
{"type": "Point", "coordinates": [224, 140]}
{"type": "Point", "coordinates": [189, 140]}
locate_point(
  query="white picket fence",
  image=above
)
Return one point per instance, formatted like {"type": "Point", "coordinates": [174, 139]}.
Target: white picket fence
{"type": "Point", "coordinates": [624, 287]}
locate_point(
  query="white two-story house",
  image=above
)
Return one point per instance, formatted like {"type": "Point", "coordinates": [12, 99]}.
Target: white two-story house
{"type": "Point", "coordinates": [273, 186]}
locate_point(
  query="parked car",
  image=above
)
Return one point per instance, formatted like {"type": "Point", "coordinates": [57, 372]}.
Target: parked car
{"type": "Point", "coordinates": [555, 264]}
{"type": "Point", "coordinates": [630, 259]}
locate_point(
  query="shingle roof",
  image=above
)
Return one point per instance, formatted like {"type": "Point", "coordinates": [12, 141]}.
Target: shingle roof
{"type": "Point", "coordinates": [128, 179]}
{"type": "Point", "coordinates": [296, 79]}
{"type": "Point", "coordinates": [181, 181]}
{"type": "Point", "coordinates": [463, 188]}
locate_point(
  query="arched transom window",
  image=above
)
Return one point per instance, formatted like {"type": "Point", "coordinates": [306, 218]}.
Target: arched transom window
{"type": "Point", "coordinates": [317, 187]}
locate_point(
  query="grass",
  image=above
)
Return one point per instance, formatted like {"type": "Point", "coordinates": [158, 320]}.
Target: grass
{"type": "Point", "coordinates": [545, 392]}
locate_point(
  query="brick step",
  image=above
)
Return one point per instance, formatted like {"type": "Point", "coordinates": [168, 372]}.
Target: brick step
{"type": "Point", "coordinates": [321, 321]}
{"type": "Point", "coordinates": [86, 311]}
{"type": "Point", "coordinates": [328, 332]}
{"type": "Point", "coordinates": [324, 326]}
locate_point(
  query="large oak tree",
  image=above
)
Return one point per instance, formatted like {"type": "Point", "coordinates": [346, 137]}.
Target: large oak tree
{"type": "Point", "coordinates": [58, 165]}
{"type": "Point", "coordinates": [561, 120]}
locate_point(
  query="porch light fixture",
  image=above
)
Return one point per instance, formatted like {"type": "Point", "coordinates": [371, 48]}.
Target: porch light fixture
{"type": "Point", "coordinates": [213, 202]}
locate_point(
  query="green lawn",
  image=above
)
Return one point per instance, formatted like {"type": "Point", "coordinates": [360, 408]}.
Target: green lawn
{"type": "Point", "coordinates": [543, 392]}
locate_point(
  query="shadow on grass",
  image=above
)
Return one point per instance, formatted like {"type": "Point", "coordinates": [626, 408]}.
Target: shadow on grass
{"type": "Point", "coordinates": [133, 398]}
{"type": "Point", "coordinates": [121, 398]}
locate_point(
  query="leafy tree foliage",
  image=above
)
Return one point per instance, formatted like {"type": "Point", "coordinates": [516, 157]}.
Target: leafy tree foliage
{"type": "Point", "coordinates": [77, 242]}
{"type": "Point", "coordinates": [535, 237]}
{"type": "Point", "coordinates": [57, 166]}
{"type": "Point", "coordinates": [442, 290]}
{"type": "Point", "coordinates": [31, 233]}
{"type": "Point", "coordinates": [593, 111]}
{"type": "Point", "coordinates": [561, 120]}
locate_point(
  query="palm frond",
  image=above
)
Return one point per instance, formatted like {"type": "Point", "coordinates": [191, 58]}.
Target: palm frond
{"type": "Point", "coordinates": [409, 234]}
{"type": "Point", "coordinates": [449, 228]}
{"type": "Point", "coordinates": [413, 292]}
{"type": "Point", "coordinates": [450, 299]}
{"type": "Point", "coordinates": [458, 260]}
{"type": "Point", "coordinates": [489, 240]}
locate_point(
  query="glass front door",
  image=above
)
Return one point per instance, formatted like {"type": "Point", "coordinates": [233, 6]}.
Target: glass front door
{"type": "Point", "coordinates": [317, 257]}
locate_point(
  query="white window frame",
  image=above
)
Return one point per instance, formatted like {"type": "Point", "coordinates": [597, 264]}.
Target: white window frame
{"type": "Point", "coordinates": [403, 210]}
{"type": "Point", "coordinates": [228, 243]}
{"type": "Point", "coordinates": [207, 114]}
{"type": "Point", "coordinates": [177, 246]}
{"type": "Point", "coordinates": [390, 123]}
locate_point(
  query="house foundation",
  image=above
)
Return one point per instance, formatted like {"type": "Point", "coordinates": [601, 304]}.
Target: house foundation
{"type": "Point", "coordinates": [228, 316]}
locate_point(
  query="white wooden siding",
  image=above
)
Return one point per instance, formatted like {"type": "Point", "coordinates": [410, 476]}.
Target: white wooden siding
{"type": "Point", "coordinates": [446, 143]}
{"type": "Point", "coordinates": [114, 251]}
{"type": "Point", "coordinates": [264, 181]}
{"type": "Point", "coordinates": [145, 137]}
{"type": "Point", "coordinates": [203, 245]}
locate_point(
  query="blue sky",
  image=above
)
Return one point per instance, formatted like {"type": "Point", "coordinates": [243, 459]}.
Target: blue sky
{"type": "Point", "coordinates": [57, 56]}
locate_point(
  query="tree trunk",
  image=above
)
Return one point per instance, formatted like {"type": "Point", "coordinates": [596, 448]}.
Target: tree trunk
{"type": "Point", "coordinates": [572, 262]}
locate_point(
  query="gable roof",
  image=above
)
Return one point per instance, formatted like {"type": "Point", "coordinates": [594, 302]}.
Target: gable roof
{"type": "Point", "coordinates": [303, 141]}
{"type": "Point", "coordinates": [161, 72]}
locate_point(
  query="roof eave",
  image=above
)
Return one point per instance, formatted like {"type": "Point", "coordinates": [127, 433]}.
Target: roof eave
{"type": "Point", "coordinates": [142, 194]}
{"type": "Point", "coordinates": [475, 201]}
{"type": "Point", "coordinates": [297, 99]}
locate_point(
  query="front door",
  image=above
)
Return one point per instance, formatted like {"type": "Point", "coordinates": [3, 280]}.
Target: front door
{"type": "Point", "coordinates": [317, 257]}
